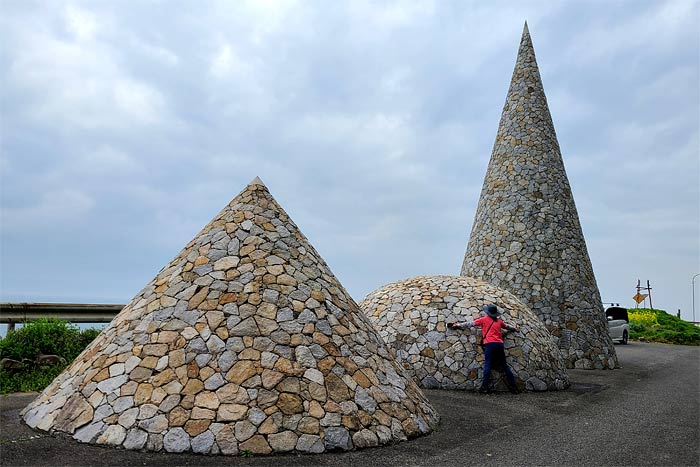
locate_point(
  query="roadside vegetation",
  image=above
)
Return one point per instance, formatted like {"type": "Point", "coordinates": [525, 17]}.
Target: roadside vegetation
{"type": "Point", "coordinates": [33, 355]}
{"type": "Point", "coordinates": [658, 326]}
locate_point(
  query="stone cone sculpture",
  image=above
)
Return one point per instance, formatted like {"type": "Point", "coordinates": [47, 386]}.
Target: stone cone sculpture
{"type": "Point", "coordinates": [526, 235]}
{"type": "Point", "coordinates": [245, 342]}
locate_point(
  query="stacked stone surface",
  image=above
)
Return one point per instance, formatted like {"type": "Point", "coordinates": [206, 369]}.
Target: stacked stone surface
{"type": "Point", "coordinates": [246, 341]}
{"type": "Point", "coordinates": [526, 235]}
{"type": "Point", "coordinates": [412, 316]}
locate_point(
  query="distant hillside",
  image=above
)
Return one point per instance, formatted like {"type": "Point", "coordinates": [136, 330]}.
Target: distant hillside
{"type": "Point", "coordinates": [658, 326]}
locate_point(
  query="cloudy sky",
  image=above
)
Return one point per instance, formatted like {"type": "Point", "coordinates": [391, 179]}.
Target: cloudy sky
{"type": "Point", "coordinates": [127, 125]}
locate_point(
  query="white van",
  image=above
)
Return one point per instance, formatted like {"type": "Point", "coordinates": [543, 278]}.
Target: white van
{"type": "Point", "coordinates": [618, 323]}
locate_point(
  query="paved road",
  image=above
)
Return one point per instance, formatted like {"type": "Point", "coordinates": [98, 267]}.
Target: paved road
{"type": "Point", "coordinates": [647, 413]}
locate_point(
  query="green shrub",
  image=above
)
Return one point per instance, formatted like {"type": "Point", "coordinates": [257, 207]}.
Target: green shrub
{"type": "Point", "coordinates": [659, 326]}
{"type": "Point", "coordinates": [35, 379]}
{"type": "Point", "coordinates": [87, 336]}
{"type": "Point", "coordinates": [47, 336]}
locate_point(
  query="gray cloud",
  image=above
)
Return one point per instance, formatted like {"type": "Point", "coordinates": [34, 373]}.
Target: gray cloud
{"type": "Point", "coordinates": [127, 126]}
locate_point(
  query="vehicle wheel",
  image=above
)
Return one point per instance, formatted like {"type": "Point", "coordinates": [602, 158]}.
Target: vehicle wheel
{"type": "Point", "coordinates": [625, 337]}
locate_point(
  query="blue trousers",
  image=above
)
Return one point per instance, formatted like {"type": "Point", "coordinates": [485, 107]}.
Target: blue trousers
{"type": "Point", "coordinates": [495, 356]}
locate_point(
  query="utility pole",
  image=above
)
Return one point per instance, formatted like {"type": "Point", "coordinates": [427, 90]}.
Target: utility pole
{"type": "Point", "coordinates": [693, 282]}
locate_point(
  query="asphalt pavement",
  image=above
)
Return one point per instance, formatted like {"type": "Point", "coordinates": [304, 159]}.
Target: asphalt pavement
{"type": "Point", "coordinates": [645, 413]}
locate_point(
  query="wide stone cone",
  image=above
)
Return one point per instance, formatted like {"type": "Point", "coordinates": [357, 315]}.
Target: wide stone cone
{"type": "Point", "coordinates": [526, 235]}
{"type": "Point", "coordinates": [246, 341]}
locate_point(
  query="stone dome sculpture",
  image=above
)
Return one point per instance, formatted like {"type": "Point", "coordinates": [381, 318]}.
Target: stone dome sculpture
{"type": "Point", "coordinates": [526, 236]}
{"type": "Point", "coordinates": [412, 315]}
{"type": "Point", "coordinates": [245, 342]}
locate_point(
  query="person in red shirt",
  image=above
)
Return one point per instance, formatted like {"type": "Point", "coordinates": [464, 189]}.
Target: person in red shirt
{"type": "Point", "coordinates": [492, 338]}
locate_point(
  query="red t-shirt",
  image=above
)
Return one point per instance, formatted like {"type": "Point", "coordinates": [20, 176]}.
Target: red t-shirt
{"type": "Point", "coordinates": [494, 330]}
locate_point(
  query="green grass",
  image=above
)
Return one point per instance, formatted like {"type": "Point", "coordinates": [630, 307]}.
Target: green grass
{"type": "Point", "coordinates": [41, 337]}
{"type": "Point", "coordinates": [665, 328]}
{"type": "Point", "coordinates": [35, 379]}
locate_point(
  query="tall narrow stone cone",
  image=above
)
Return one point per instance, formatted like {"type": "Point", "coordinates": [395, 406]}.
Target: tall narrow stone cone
{"type": "Point", "coordinates": [246, 341]}
{"type": "Point", "coordinates": [526, 235]}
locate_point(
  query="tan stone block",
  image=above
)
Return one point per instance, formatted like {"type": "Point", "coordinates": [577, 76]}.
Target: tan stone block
{"type": "Point", "coordinates": [318, 296]}
{"type": "Point", "coordinates": [128, 389]}
{"type": "Point", "coordinates": [101, 375]}
{"type": "Point", "coordinates": [222, 332]}
{"type": "Point", "coordinates": [361, 379]}
{"type": "Point", "coordinates": [309, 425]}
{"type": "Point", "coordinates": [268, 426]}
{"type": "Point", "coordinates": [198, 298]}
{"type": "Point", "coordinates": [351, 422]}
{"type": "Point", "coordinates": [215, 318]}
{"type": "Point", "coordinates": [318, 392]}
{"type": "Point", "coordinates": [364, 417]}
{"type": "Point", "coordinates": [149, 362]}
{"type": "Point", "coordinates": [382, 418]}
{"type": "Point", "coordinates": [267, 310]}
{"type": "Point", "coordinates": [228, 298]}
{"type": "Point", "coordinates": [326, 364]}
{"type": "Point", "coordinates": [207, 400]}
{"type": "Point", "coordinates": [231, 412]}
{"type": "Point", "coordinates": [158, 395]}
{"type": "Point", "coordinates": [195, 427]}
{"type": "Point", "coordinates": [205, 373]}
{"type": "Point", "coordinates": [187, 401]}
{"type": "Point", "coordinates": [320, 338]}
{"type": "Point", "coordinates": [193, 386]}
{"type": "Point", "coordinates": [275, 270]}
{"type": "Point", "coordinates": [270, 378]}
{"type": "Point", "coordinates": [241, 371]}
{"type": "Point", "coordinates": [163, 377]}
{"type": "Point", "coordinates": [176, 358]}
{"type": "Point", "coordinates": [192, 369]}
{"type": "Point", "coordinates": [143, 393]}
{"type": "Point", "coordinates": [332, 406]}
{"type": "Point", "coordinates": [226, 440]}
{"type": "Point", "coordinates": [140, 374]}
{"type": "Point", "coordinates": [316, 410]}
{"type": "Point", "coordinates": [249, 354]}
{"type": "Point", "coordinates": [232, 393]}
{"type": "Point", "coordinates": [290, 403]}
{"type": "Point", "coordinates": [181, 373]}
{"type": "Point", "coordinates": [337, 389]}
{"type": "Point", "coordinates": [257, 445]}
{"type": "Point", "coordinates": [200, 413]}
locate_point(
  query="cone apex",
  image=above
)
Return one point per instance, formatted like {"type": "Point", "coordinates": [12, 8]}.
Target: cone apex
{"type": "Point", "coordinates": [256, 181]}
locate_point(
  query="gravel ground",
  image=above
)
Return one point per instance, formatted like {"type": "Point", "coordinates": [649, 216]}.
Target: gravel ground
{"type": "Point", "coordinates": [646, 413]}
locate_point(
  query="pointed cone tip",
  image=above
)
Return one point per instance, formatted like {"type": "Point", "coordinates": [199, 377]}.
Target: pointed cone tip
{"type": "Point", "coordinates": [257, 181]}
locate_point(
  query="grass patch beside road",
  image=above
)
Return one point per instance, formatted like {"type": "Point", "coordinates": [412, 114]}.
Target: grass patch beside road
{"type": "Point", "coordinates": [658, 326]}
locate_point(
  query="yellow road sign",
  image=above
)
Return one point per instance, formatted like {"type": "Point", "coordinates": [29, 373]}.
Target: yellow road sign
{"type": "Point", "coordinates": [639, 298]}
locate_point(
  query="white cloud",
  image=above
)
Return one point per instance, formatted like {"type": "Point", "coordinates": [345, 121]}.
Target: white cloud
{"type": "Point", "coordinates": [80, 22]}
{"type": "Point", "coordinates": [138, 101]}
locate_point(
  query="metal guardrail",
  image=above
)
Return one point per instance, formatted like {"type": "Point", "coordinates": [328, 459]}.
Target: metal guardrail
{"type": "Point", "coordinates": [13, 313]}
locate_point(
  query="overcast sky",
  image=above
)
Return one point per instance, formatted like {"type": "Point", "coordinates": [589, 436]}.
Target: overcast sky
{"type": "Point", "coordinates": [127, 125]}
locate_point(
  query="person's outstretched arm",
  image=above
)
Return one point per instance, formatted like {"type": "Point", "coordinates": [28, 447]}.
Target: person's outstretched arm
{"type": "Point", "coordinates": [461, 324]}
{"type": "Point", "coordinates": [511, 327]}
